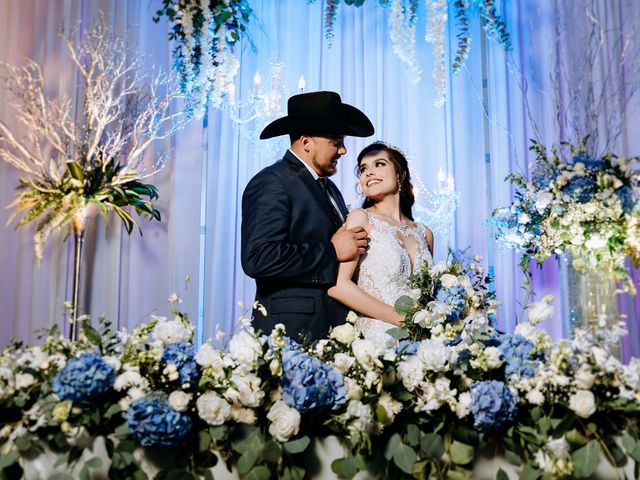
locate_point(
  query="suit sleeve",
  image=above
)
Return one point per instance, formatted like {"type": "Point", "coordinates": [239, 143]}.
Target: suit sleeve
{"type": "Point", "coordinates": [268, 252]}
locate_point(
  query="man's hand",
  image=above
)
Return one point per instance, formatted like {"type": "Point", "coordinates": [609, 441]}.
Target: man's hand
{"type": "Point", "coordinates": [350, 243]}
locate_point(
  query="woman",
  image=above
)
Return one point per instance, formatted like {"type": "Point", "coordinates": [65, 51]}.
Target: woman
{"type": "Point", "coordinates": [398, 245]}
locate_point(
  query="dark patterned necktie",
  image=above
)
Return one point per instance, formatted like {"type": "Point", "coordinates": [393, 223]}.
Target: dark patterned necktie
{"type": "Point", "coordinates": [337, 218]}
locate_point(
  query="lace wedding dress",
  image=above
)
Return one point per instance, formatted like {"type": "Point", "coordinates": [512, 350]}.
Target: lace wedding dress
{"type": "Point", "coordinates": [395, 252]}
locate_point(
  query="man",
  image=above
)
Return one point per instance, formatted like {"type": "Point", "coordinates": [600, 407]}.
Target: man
{"type": "Point", "coordinates": [292, 216]}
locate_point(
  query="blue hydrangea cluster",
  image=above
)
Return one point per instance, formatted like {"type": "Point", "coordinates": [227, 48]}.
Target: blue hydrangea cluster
{"type": "Point", "coordinates": [309, 384]}
{"type": "Point", "coordinates": [182, 356]}
{"type": "Point", "coordinates": [543, 175]}
{"type": "Point", "coordinates": [580, 189]}
{"type": "Point", "coordinates": [153, 423]}
{"type": "Point", "coordinates": [407, 347]}
{"type": "Point", "coordinates": [493, 405]}
{"type": "Point", "coordinates": [626, 196]}
{"type": "Point", "coordinates": [516, 352]}
{"type": "Point", "coordinates": [84, 377]}
{"type": "Point", "coordinates": [455, 298]}
{"type": "Point", "coordinates": [590, 163]}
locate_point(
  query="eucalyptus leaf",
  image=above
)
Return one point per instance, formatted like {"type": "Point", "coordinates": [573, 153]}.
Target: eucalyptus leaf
{"type": "Point", "coordinates": [91, 333]}
{"type": "Point", "coordinates": [297, 446]}
{"type": "Point", "coordinates": [247, 460]}
{"type": "Point", "coordinates": [586, 459]}
{"type": "Point", "coordinates": [413, 435]}
{"type": "Point", "coordinates": [10, 458]}
{"type": "Point", "coordinates": [432, 445]}
{"type": "Point", "coordinates": [501, 475]}
{"type": "Point", "coordinates": [398, 333]}
{"type": "Point", "coordinates": [461, 453]}
{"type": "Point", "coordinates": [404, 305]}
{"type": "Point", "coordinates": [529, 472]}
{"type": "Point", "coordinates": [394, 442]}
{"type": "Point", "coordinates": [259, 473]}
{"type": "Point", "coordinates": [404, 457]}
{"type": "Point", "coordinates": [344, 467]}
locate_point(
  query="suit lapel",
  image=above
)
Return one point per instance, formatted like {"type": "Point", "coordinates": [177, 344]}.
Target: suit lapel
{"type": "Point", "coordinates": [306, 178]}
{"type": "Point", "coordinates": [338, 197]}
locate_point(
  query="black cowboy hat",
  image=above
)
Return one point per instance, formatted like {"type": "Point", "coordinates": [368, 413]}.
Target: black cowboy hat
{"type": "Point", "coordinates": [319, 113]}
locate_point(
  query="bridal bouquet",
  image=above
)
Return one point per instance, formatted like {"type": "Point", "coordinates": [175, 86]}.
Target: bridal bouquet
{"type": "Point", "coordinates": [451, 302]}
{"type": "Point", "coordinates": [586, 206]}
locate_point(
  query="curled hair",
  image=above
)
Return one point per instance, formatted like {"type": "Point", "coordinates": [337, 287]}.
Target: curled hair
{"type": "Point", "coordinates": [407, 199]}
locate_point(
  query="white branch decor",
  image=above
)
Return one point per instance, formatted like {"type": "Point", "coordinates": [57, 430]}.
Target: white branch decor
{"type": "Point", "coordinates": [98, 160]}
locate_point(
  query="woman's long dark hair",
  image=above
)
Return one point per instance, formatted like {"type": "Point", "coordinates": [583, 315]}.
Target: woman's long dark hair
{"type": "Point", "coordinates": [399, 161]}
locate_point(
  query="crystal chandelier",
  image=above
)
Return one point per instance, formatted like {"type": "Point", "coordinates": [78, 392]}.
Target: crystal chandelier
{"type": "Point", "coordinates": [436, 208]}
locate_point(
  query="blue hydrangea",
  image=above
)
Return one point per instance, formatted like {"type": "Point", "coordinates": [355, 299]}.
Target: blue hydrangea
{"type": "Point", "coordinates": [589, 163]}
{"type": "Point", "coordinates": [493, 405]}
{"type": "Point", "coordinates": [182, 356]}
{"type": "Point", "coordinates": [580, 189]}
{"type": "Point", "coordinates": [407, 347]}
{"type": "Point", "coordinates": [84, 377]}
{"type": "Point", "coordinates": [153, 423]}
{"type": "Point", "coordinates": [625, 194]}
{"type": "Point", "coordinates": [309, 384]}
{"type": "Point", "coordinates": [543, 174]}
{"type": "Point", "coordinates": [455, 298]}
{"type": "Point", "coordinates": [516, 351]}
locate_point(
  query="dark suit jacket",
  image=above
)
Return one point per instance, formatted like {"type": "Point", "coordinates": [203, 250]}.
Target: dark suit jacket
{"type": "Point", "coordinates": [286, 246]}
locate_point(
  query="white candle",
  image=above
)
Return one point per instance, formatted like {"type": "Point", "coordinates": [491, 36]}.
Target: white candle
{"type": "Point", "coordinates": [301, 84]}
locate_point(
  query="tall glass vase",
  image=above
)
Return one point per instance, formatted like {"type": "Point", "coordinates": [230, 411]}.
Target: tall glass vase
{"type": "Point", "coordinates": [589, 300]}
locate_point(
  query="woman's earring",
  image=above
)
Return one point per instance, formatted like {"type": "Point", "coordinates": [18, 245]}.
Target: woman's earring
{"type": "Point", "coordinates": [399, 186]}
{"type": "Point", "coordinates": [359, 190]}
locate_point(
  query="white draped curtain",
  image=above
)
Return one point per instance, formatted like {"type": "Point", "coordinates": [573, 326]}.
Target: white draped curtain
{"type": "Point", "coordinates": [480, 135]}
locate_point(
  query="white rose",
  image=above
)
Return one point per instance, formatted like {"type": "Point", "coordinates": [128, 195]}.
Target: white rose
{"type": "Point", "coordinates": [524, 218]}
{"type": "Point", "coordinates": [352, 317]}
{"type": "Point", "coordinates": [535, 397]}
{"type": "Point", "coordinates": [213, 409]}
{"type": "Point", "coordinates": [208, 356]}
{"type": "Point", "coordinates": [113, 362]}
{"type": "Point", "coordinates": [24, 380]}
{"type": "Point", "coordinates": [361, 415]}
{"type": "Point", "coordinates": [447, 280]}
{"type": "Point", "coordinates": [242, 415]}
{"type": "Point", "coordinates": [596, 242]}
{"type": "Point", "coordinates": [245, 348]}
{"type": "Point", "coordinates": [354, 390]}
{"type": "Point", "coordinates": [435, 355]}
{"type": "Point", "coordinates": [540, 311]}
{"type": "Point", "coordinates": [179, 400]}
{"type": "Point", "coordinates": [411, 372]}
{"type": "Point", "coordinates": [493, 357]}
{"type": "Point", "coordinates": [463, 407]}
{"type": "Point", "coordinates": [589, 208]}
{"type": "Point", "coordinates": [285, 421]}
{"type": "Point", "coordinates": [391, 406]}
{"type": "Point", "coordinates": [366, 353]}
{"type": "Point", "coordinates": [248, 387]}
{"type": "Point", "coordinates": [129, 378]}
{"type": "Point", "coordinates": [345, 333]}
{"type": "Point", "coordinates": [526, 330]}
{"type": "Point", "coordinates": [543, 199]}
{"type": "Point", "coordinates": [583, 403]}
{"type": "Point", "coordinates": [343, 362]}
{"type": "Point", "coordinates": [170, 331]}
{"type": "Point", "coordinates": [584, 377]}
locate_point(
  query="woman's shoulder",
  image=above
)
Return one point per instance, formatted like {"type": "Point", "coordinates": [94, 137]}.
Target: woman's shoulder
{"type": "Point", "coordinates": [358, 216]}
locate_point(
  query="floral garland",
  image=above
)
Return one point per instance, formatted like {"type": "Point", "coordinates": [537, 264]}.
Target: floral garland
{"type": "Point", "coordinates": [586, 206]}
{"type": "Point", "coordinates": [205, 33]}
{"type": "Point", "coordinates": [402, 31]}
{"type": "Point", "coordinates": [436, 25]}
{"type": "Point", "coordinates": [430, 405]}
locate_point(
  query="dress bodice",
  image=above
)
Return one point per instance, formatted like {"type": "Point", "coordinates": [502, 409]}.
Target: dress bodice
{"type": "Point", "coordinates": [396, 251]}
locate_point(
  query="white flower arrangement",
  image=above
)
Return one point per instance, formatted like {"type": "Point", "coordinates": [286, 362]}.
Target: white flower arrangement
{"type": "Point", "coordinates": [575, 203]}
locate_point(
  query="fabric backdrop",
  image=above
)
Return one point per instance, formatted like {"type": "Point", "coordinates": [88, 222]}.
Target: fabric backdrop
{"type": "Point", "coordinates": [495, 105]}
